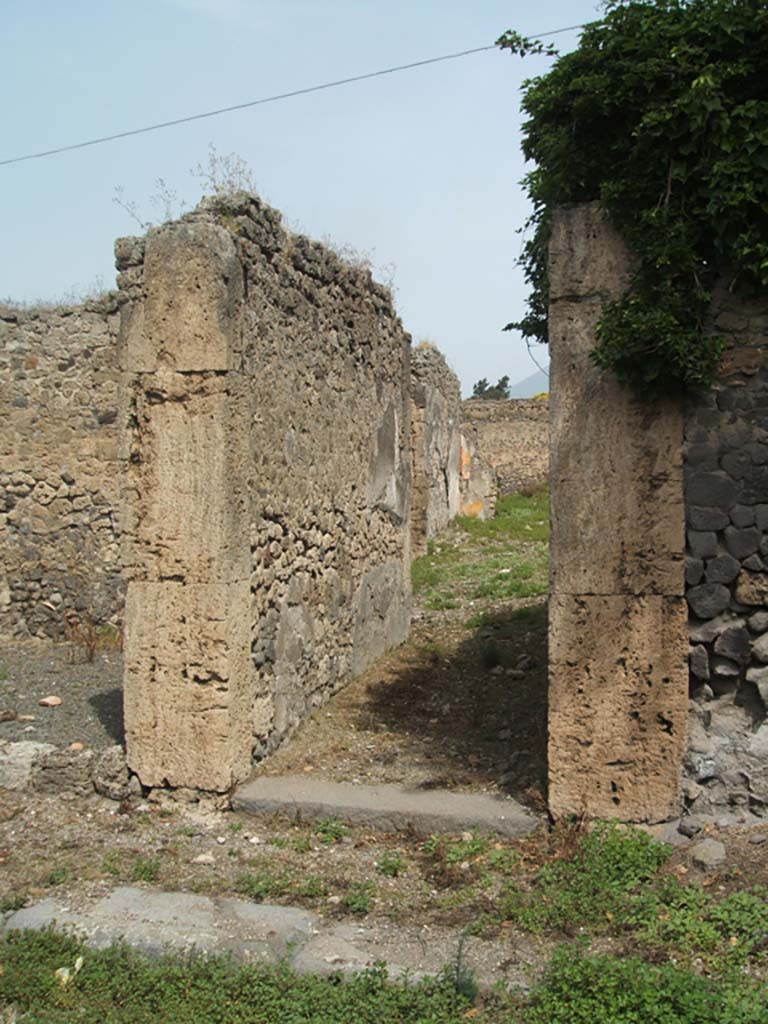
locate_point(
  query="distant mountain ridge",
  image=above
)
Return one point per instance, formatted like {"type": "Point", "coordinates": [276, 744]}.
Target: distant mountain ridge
{"type": "Point", "coordinates": [533, 385]}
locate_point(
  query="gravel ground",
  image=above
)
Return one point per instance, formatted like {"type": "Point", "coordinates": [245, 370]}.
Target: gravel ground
{"type": "Point", "coordinates": [455, 707]}
{"type": "Point", "coordinates": [91, 709]}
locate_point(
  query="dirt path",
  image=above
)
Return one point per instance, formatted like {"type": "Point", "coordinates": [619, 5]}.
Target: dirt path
{"type": "Point", "coordinates": [455, 708]}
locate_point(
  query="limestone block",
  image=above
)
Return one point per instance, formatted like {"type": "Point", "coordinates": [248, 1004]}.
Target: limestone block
{"type": "Point", "coordinates": [617, 705]}
{"type": "Point", "coordinates": [587, 256]}
{"type": "Point", "coordinates": [185, 479]}
{"type": "Point", "coordinates": [188, 683]}
{"type": "Point", "coordinates": [615, 471]}
{"type": "Point", "coordinates": [134, 351]}
{"type": "Point", "coordinates": [193, 283]}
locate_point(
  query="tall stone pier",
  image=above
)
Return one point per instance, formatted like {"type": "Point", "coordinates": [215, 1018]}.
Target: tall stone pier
{"type": "Point", "coordinates": [188, 677]}
{"type": "Point", "coordinates": [618, 684]}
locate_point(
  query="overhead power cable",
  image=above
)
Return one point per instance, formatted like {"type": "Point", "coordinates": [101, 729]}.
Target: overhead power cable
{"type": "Point", "coordinates": [263, 100]}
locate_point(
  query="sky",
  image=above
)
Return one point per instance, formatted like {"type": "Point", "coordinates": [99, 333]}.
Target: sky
{"type": "Point", "coordinates": [417, 171]}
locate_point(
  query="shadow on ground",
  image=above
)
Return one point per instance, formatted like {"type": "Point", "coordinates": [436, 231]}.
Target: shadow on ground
{"type": "Point", "coordinates": [460, 706]}
{"type": "Point", "coordinates": [108, 706]}
{"type": "Point", "coordinates": [477, 713]}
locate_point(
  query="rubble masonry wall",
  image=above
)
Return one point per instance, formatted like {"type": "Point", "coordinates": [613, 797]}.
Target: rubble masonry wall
{"type": "Point", "coordinates": [511, 437]}
{"type": "Point", "coordinates": [436, 444]}
{"type": "Point", "coordinates": [726, 496]}
{"type": "Point", "coordinates": [266, 454]}
{"type": "Point", "coordinates": [59, 552]}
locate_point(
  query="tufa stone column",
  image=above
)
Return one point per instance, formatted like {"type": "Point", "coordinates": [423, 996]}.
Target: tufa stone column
{"type": "Point", "coordinates": [618, 682]}
{"type": "Point", "coordinates": [186, 556]}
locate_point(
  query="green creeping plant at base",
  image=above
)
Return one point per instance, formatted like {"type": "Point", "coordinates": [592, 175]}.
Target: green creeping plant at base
{"type": "Point", "coordinates": [661, 114]}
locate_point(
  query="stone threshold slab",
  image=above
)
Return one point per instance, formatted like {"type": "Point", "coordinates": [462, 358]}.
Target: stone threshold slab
{"type": "Point", "coordinates": [384, 808]}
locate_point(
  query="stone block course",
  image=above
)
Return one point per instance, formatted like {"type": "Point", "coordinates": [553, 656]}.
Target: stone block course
{"type": "Point", "coordinates": [511, 437]}
{"type": "Point", "coordinates": [617, 639]}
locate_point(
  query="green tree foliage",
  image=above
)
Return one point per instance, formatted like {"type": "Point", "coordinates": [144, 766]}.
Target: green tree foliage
{"type": "Point", "coordinates": [662, 115]}
{"type": "Point", "coordinates": [482, 389]}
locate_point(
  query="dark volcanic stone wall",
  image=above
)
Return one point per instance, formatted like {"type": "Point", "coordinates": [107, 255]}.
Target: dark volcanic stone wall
{"type": "Point", "coordinates": [726, 494]}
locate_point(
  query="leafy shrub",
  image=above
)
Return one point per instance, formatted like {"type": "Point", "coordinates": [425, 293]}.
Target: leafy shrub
{"type": "Point", "coordinates": [590, 886]}
{"type": "Point", "coordinates": [578, 989]}
{"type": "Point", "coordinates": [659, 114]}
{"type": "Point", "coordinates": [123, 986]}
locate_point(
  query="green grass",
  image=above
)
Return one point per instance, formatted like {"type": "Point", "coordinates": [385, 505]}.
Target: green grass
{"type": "Point", "coordinates": [495, 560]}
{"type": "Point", "coordinates": [146, 869]}
{"type": "Point", "coordinates": [391, 864]}
{"type": "Point", "coordinates": [612, 884]}
{"type": "Point", "coordinates": [581, 989]}
{"type": "Point", "coordinates": [518, 517]}
{"type": "Point", "coordinates": [330, 831]}
{"type": "Point", "coordinates": [590, 887]}
{"type": "Point", "coordinates": [358, 897]}
{"type": "Point", "coordinates": [122, 986]}
{"type": "Point", "coordinates": [264, 883]}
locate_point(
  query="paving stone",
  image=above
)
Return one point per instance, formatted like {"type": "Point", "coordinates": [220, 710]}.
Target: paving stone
{"type": "Point", "coordinates": [156, 921]}
{"type": "Point", "coordinates": [20, 761]}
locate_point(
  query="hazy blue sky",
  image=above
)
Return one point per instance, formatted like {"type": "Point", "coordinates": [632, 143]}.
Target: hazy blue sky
{"type": "Point", "coordinates": [419, 169]}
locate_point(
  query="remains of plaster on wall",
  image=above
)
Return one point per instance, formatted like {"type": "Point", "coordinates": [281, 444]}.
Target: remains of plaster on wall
{"type": "Point", "coordinates": [435, 445]}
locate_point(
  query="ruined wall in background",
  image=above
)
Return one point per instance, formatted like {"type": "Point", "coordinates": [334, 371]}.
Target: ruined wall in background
{"type": "Point", "coordinates": [58, 468]}
{"type": "Point", "coordinates": [618, 687]}
{"type": "Point", "coordinates": [726, 495]}
{"type": "Point", "coordinates": [512, 437]}
{"type": "Point", "coordinates": [266, 452]}
{"type": "Point", "coordinates": [478, 483]}
{"type": "Point", "coordinates": [436, 445]}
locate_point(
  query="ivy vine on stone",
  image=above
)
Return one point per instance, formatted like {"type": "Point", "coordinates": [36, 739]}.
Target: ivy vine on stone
{"type": "Point", "coordinates": [661, 113]}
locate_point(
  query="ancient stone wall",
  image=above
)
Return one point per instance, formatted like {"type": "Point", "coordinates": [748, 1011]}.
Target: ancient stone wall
{"type": "Point", "coordinates": [618, 687]}
{"type": "Point", "coordinates": [58, 468]}
{"type": "Point", "coordinates": [436, 444]}
{"type": "Point", "coordinates": [726, 494]}
{"type": "Point", "coordinates": [266, 453]}
{"type": "Point", "coordinates": [512, 437]}
{"type": "Point", "coordinates": [478, 483]}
